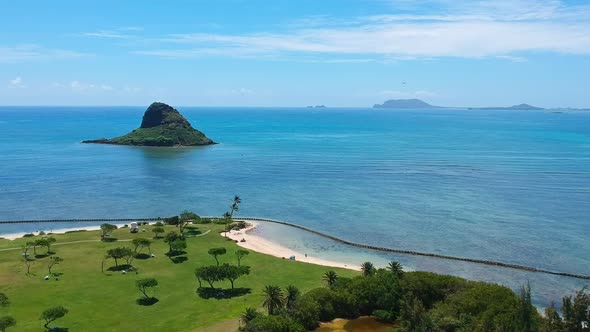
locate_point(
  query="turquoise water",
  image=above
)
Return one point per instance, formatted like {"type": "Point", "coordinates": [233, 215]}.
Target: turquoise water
{"type": "Point", "coordinates": [503, 185]}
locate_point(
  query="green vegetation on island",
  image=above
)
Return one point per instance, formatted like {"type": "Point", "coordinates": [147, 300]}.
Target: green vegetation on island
{"type": "Point", "coordinates": [404, 103]}
{"type": "Point", "coordinates": [162, 125]}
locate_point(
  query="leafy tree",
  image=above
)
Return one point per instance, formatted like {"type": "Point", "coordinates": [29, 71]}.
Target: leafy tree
{"type": "Point", "coordinates": [307, 312]}
{"type": "Point", "coordinates": [395, 268]}
{"type": "Point", "coordinates": [241, 253]}
{"type": "Point", "coordinates": [576, 311]}
{"type": "Point", "coordinates": [144, 284]}
{"type": "Point", "coordinates": [170, 238]}
{"type": "Point", "coordinates": [41, 243]}
{"type": "Point", "coordinates": [28, 245]}
{"type": "Point", "coordinates": [157, 231]}
{"type": "Point", "coordinates": [49, 241]}
{"type": "Point", "coordinates": [53, 260]}
{"type": "Point", "coordinates": [28, 262]}
{"type": "Point", "coordinates": [330, 278]}
{"type": "Point", "coordinates": [273, 299]}
{"type": "Point", "coordinates": [4, 302]}
{"type": "Point", "coordinates": [414, 316]}
{"type": "Point", "coordinates": [368, 269]}
{"type": "Point", "coordinates": [119, 253]}
{"type": "Point", "coordinates": [527, 319]}
{"type": "Point", "coordinates": [210, 274]}
{"type": "Point", "coordinates": [292, 295]}
{"type": "Point", "coordinates": [106, 230]}
{"type": "Point", "coordinates": [172, 220]}
{"type": "Point", "coordinates": [6, 322]}
{"type": "Point", "coordinates": [248, 315]}
{"type": "Point", "coordinates": [232, 272]}
{"type": "Point", "coordinates": [186, 217]}
{"type": "Point", "coordinates": [52, 314]}
{"type": "Point", "coordinates": [552, 321]}
{"type": "Point", "coordinates": [140, 243]}
{"type": "Point", "coordinates": [215, 252]}
{"type": "Point", "coordinates": [177, 246]}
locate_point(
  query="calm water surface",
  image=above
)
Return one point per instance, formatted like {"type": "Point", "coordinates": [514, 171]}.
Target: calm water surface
{"type": "Point", "coordinates": [502, 185]}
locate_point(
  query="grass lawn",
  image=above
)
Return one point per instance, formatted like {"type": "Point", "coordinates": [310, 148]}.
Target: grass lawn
{"type": "Point", "coordinates": [107, 301]}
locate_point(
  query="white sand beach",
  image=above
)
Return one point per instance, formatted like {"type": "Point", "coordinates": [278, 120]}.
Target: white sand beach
{"type": "Point", "coordinates": [14, 236]}
{"type": "Point", "coordinates": [262, 245]}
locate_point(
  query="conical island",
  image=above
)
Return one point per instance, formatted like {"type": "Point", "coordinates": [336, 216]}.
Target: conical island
{"type": "Point", "coordinates": [162, 125]}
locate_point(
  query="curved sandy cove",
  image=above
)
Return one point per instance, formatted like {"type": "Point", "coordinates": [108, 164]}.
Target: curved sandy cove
{"type": "Point", "coordinates": [265, 246]}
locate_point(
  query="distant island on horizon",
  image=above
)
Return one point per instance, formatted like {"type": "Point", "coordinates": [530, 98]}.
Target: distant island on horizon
{"type": "Point", "coordinates": [162, 125]}
{"type": "Point", "coordinates": [420, 104]}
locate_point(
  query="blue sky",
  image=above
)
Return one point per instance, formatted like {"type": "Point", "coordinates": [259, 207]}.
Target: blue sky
{"type": "Point", "coordinates": [295, 53]}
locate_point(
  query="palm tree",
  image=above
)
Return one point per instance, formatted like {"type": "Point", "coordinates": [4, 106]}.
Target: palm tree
{"type": "Point", "coordinates": [395, 268]}
{"type": "Point", "coordinates": [234, 206]}
{"type": "Point", "coordinates": [292, 296]}
{"type": "Point", "coordinates": [368, 269]}
{"type": "Point", "coordinates": [226, 218]}
{"type": "Point", "coordinates": [330, 278]}
{"type": "Point", "coordinates": [248, 315]}
{"type": "Point", "coordinates": [273, 298]}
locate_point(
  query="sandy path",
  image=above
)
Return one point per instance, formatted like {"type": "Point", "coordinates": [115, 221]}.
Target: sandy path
{"type": "Point", "coordinates": [262, 245]}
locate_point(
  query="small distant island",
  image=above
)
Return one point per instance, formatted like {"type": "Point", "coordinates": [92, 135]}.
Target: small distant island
{"type": "Point", "coordinates": [420, 104]}
{"type": "Point", "coordinates": [162, 125]}
{"type": "Point", "coordinates": [404, 103]}
{"type": "Point", "coordinates": [519, 107]}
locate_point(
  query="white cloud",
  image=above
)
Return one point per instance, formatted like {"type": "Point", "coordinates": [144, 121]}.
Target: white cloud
{"type": "Point", "coordinates": [119, 33]}
{"type": "Point", "coordinates": [22, 53]}
{"type": "Point", "coordinates": [16, 83]}
{"type": "Point", "coordinates": [453, 29]}
{"type": "Point", "coordinates": [105, 34]}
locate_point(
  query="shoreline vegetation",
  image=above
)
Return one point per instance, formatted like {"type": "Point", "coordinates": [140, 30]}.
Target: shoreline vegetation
{"type": "Point", "coordinates": [264, 244]}
{"type": "Point", "coordinates": [266, 293]}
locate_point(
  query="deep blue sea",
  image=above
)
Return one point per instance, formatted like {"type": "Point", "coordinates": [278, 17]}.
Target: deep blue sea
{"type": "Point", "coordinates": [512, 186]}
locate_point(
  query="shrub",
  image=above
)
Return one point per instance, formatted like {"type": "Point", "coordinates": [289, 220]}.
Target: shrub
{"type": "Point", "coordinates": [29, 235]}
{"type": "Point", "coordinates": [383, 316]}
{"type": "Point", "coordinates": [275, 323]}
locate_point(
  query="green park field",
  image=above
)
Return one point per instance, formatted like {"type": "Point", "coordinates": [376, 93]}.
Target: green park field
{"type": "Point", "coordinates": [106, 301]}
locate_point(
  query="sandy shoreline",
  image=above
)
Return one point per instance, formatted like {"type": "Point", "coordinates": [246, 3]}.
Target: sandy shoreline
{"type": "Point", "coordinates": [262, 245]}
{"type": "Point", "coordinates": [253, 242]}
{"type": "Point", "coordinates": [14, 236]}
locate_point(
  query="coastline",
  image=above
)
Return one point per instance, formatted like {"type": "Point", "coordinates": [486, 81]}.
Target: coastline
{"type": "Point", "coordinates": [14, 236]}
{"type": "Point", "coordinates": [264, 246]}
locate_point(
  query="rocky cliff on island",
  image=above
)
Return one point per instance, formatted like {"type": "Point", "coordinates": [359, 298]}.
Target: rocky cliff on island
{"type": "Point", "coordinates": [162, 125]}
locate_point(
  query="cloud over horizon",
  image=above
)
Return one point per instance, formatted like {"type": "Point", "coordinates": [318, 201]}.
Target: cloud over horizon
{"type": "Point", "coordinates": [465, 29]}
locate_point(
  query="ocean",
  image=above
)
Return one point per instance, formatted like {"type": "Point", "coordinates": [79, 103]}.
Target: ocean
{"type": "Point", "coordinates": [511, 186]}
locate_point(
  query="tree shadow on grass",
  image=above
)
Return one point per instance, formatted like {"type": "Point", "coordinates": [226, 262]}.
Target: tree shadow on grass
{"type": "Point", "coordinates": [142, 256]}
{"type": "Point", "coordinates": [175, 253]}
{"type": "Point", "coordinates": [109, 239]}
{"type": "Point", "coordinates": [121, 267]}
{"type": "Point", "coordinates": [147, 302]}
{"type": "Point", "coordinates": [219, 294]}
{"type": "Point", "coordinates": [40, 256]}
{"type": "Point", "coordinates": [57, 329]}
{"type": "Point", "coordinates": [178, 259]}
{"type": "Point", "coordinates": [192, 231]}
